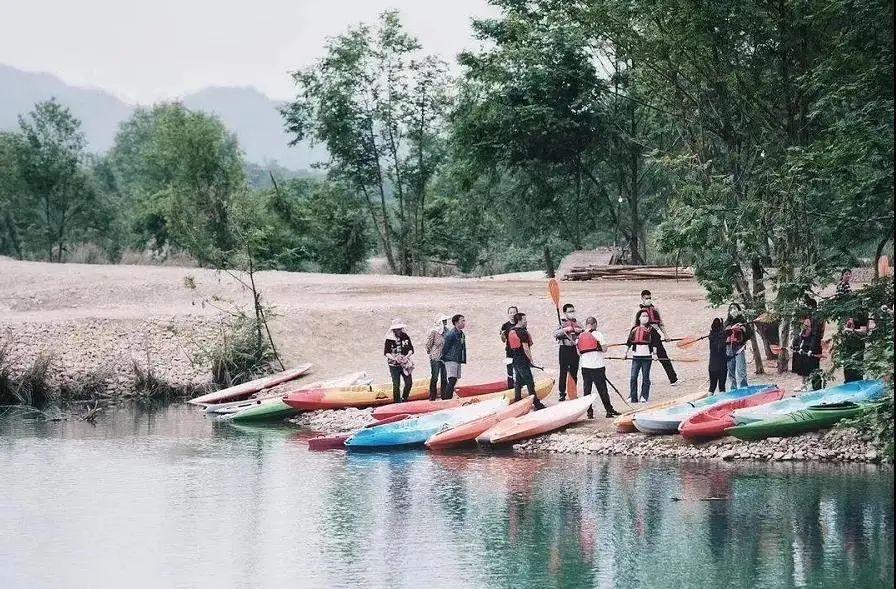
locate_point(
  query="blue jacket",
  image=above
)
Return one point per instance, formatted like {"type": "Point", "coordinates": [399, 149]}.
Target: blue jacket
{"type": "Point", "coordinates": [455, 347]}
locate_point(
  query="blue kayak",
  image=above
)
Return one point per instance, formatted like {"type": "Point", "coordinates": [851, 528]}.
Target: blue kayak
{"type": "Point", "coordinates": [416, 430]}
{"type": "Point", "coordinates": [666, 421]}
{"type": "Point", "coordinates": [860, 391]}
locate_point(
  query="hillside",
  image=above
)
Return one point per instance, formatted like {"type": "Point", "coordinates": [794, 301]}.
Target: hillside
{"type": "Point", "coordinates": [246, 111]}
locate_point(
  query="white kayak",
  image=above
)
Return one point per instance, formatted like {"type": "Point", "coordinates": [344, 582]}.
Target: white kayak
{"type": "Point", "coordinates": [247, 389]}
{"type": "Point", "coordinates": [538, 422]}
{"type": "Point", "coordinates": [266, 396]}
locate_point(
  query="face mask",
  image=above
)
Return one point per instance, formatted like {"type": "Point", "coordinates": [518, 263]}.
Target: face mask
{"type": "Point", "coordinates": [732, 312]}
{"type": "Point", "coordinates": [571, 316]}
{"type": "Point", "coordinates": [648, 302]}
{"type": "Point", "coordinates": [644, 319]}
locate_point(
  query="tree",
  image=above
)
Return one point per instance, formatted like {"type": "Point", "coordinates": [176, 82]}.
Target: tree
{"type": "Point", "coordinates": [59, 197]}
{"type": "Point", "coordinates": [12, 189]}
{"type": "Point", "coordinates": [378, 106]}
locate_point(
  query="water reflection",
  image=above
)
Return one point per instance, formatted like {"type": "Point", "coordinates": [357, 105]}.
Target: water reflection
{"type": "Point", "coordinates": [225, 504]}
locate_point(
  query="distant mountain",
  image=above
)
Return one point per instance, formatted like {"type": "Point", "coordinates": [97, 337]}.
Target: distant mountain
{"type": "Point", "coordinates": [246, 111]}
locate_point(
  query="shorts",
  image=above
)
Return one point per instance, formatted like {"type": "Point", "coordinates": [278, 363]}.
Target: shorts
{"type": "Point", "coordinates": [453, 369]}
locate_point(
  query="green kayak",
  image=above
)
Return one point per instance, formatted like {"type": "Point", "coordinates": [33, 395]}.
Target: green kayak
{"type": "Point", "coordinates": [268, 411]}
{"type": "Point", "coordinates": [798, 422]}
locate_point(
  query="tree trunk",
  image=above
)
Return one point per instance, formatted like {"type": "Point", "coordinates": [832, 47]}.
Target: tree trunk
{"type": "Point", "coordinates": [740, 284]}
{"type": "Point", "coordinates": [761, 305]}
{"type": "Point", "coordinates": [878, 253]}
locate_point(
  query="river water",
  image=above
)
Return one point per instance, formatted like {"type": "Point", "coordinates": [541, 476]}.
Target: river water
{"type": "Point", "coordinates": [168, 498]}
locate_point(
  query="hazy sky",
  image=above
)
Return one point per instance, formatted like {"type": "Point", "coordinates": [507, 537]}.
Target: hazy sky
{"type": "Point", "coordinates": [150, 49]}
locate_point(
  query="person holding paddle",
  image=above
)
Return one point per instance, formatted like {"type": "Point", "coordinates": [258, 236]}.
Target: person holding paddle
{"type": "Point", "coordinates": [656, 322]}
{"type": "Point", "coordinates": [591, 344]}
{"type": "Point", "coordinates": [566, 336]}
{"type": "Point", "coordinates": [642, 342]}
{"type": "Point", "coordinates": [521, 347]}
{"type": "Point", "coordinates": [737, 333]}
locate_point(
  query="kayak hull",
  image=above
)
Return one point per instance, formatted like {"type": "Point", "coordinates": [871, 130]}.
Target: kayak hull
{"type": "Point", "coordinates": [625, 422]}
{"type": "Point", "coordinates": [713, 422]}
{"type": "Point", "coordinates": [856, 392]}
{"type": "Point", "coordinates": [265, 396]}
{"type": "Point", "coordinates": [798, 422]}
{"type": "Point", "coordinates": [427, 406]}
{"type": "Point", "coordinates": [666, 421]}
{"type": "Point", "coordinates": [357, 396]}
{"type": "Point", "coordinates": [269, 411]}
{"type": "Point", "coordinates": [481, 389]}
{"type": "Point", "coordinates": [336, 442]}
{"type": "Point", "coordinates": [537, 423]}
{"type": "Point", "coordinates": [248, 389]}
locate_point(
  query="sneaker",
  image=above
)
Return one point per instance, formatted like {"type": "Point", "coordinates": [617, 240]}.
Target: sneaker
{"type": "Point", "coordinates": [590, 413]}
{"type": "Point", "coordinates": [673, 384]}
{"type": "Point", "coordinates": [562, 397]}
{"type": "Point", "coordinates": [613, 413]}
{"type": "Point", "coordinates": [643, 401]}
{"type": "Point", "coordinates": [538, 406]}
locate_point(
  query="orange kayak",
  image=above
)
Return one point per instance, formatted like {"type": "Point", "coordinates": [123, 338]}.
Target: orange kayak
{"type": "Point", "coordinates": [625, 422]}
{"type": "Point", "coordinates": [467, 432]}
{"type": "Point", "coordinates": [427, 406]}
{"type": "Point", "coordinates": [355, 396]}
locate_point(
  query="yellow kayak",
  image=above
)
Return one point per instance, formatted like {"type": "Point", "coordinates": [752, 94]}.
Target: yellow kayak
{"type": "Point", "coordinates": [355, 396]}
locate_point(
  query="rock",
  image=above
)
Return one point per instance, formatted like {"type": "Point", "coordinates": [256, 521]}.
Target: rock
{"type": "Point", "coordinates": [787, 456]}
{"type": "Point", "coordinates": [727, 455]}
{"type": "Point", "coordinates": [871, 456]}
{"type": "Point", "coordinates": [777, 455]}
{"type": "Point", "coordinates": [773, 440]}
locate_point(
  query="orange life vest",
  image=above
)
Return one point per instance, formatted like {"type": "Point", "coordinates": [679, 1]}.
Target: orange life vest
{"type": "Point", "coordinates": [588, 343]}
{"type": "Point", "coordinates": [641, 335]}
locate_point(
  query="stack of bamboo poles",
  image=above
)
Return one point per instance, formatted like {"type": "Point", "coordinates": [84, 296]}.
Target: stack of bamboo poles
{"type": "Point", "coordinates": [592, 272]}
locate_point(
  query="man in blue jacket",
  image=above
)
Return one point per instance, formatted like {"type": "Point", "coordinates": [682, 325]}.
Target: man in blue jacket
{"type": "Point", "coordinates": [454, 354]}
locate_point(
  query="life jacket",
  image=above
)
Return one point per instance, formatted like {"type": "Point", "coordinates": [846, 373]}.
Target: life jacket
{"type": "Point", "coordinates": [588, 343]}
{"type": "Point", "coordinates": [735, 335]}
{"type": "Point", "coordinates": [653, 316]}
{"type": "Point", "coordinates": [641, 335]}
{"type": "Point", "coordinates": [513, 340]}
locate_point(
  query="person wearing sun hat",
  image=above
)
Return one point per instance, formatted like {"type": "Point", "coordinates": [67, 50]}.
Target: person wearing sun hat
{"type": "Point", "coordinates": [435, 341]}
{"type": "Point", "coordinates": [398, 350]}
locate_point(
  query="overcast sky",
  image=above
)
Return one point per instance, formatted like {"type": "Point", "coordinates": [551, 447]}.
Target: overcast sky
{"type": "Point", "coordinates": [143, 51]}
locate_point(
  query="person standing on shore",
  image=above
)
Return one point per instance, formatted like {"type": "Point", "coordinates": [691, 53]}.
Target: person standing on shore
{"type": "Point", "coordinates": [508, 356]}
{"type": "Point", "coordinates": [454, 353]}
{"type": "Point", "coordinates": [398, 350]}
{"type": "Point", "coordinates": [806, 347]}
{"type": "Point", "coordinates": [844, 286]}
{"type": "Point", "coordinates": [718, 356]}
{"type": "Point", "coordinates": [521, 348]}
{"type": "Point", "coordinates": [656, 322]}
{"type": "Point", "coordinates": [642, 342]}
{"type": "Point", "coordinates": [566, 336]}
{"type": "Point", "coordinates": [737, 333]}
{"type": "Point", "coordinates": [435, 341]}
{"type": "Point", "coordinates": [591, 344]}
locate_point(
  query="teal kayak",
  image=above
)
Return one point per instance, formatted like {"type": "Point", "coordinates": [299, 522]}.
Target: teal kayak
{"type": "Point", "coordinates": [798, 422]}
{"type": "Point", "coordinates": [265, 411]}
{"type": "Point", "coordinates": [860, 391]}
{"type": "Point", "coordinates": [666, 421]}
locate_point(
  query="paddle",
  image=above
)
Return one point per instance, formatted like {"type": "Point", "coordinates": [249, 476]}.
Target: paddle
{"type": "Point", "coordinates": [554, 289]}
{"type": "Point", "coordinates": [688, 342]}
{"type": "Point", "coordinates": [670, 359]}
{"type": "Point", "coordinates": [612, 386]}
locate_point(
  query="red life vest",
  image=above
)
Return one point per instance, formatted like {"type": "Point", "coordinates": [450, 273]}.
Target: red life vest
{"type": "Point", "coordinates": [588, 343]}
{"type": "Point", "coordinates": [641, 335]}
{"type": "Point", "coordinates": [653, 316]}
{"type": "Point", "coordinates": [735, 335]}
{"type": "Point", "coordinates": [514, 340]}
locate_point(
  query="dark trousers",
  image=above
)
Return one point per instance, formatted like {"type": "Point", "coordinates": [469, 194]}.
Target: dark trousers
{"type": "Point", "coordinates": [523, 377]}
{"type": "Point", "coordinates": [510, 376]}
{"type": "Point", "coordinates": [855, 360]}
{"type": "Point", "coordinates": [397, 375]}
{"type": "Point", "coordinates": [717, 377]}
{"type": "Point", "coordinates": [569, 365]}
{"type": "Point", "coordinates": [663, 357]}
{"type": "Point", "coordinates": [598, 377]}
{"type": "Point", "coordinates": [448, 391]}
{"type": "Point", "coordinates": [640, 365]}
{"type": "Point", "coordinates": [439, 376]}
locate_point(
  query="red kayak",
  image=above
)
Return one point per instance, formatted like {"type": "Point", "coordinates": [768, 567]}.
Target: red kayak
{"type": "Point", "coordinates": [336, 442]}
{"type": "Point", "coordinates": [713, 422]}
{"type": "Point", "coordinates": [481, 389]}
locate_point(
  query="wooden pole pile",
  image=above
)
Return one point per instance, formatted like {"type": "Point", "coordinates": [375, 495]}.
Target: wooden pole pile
{"type": "Point", "coordinates": [592, 272]}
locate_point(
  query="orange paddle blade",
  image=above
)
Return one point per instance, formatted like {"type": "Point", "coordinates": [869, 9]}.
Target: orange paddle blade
{"type": "Point", "coordinates": [571, 391]}
{"type": "Point", "coordinates": [883, 266]}
{"type": "Point", "coordinates": [690, 341]}
{"type": "Point", "coordinates": [554, 289]}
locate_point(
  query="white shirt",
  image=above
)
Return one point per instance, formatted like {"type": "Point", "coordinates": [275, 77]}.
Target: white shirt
{"type": "Point", "coordinates": [594, 359]}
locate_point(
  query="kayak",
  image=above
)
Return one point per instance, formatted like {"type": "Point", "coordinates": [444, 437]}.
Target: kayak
{"type": "Point", "coordinates": [338, 441]}
{"type": "Point", "coordinates": [481, 389]}
{"type": "Point", "coordinates": [268, 395]}
{"type": "Point", "coordinates": [248, 389]}
{"type": "Point", "coordinates": [357, 396]}
{"type": "Point", "coordinates": [666, 421]}
{"type": "Point", "coordinates": [712, 422]}
{"type": "Point", "coordinates": [427, 406]}
{"type": "Point", "coordinates": [467, 432]}
{"type": "Point", "coordinates": [798, 422]}
{"type": "Point", "coordinates": [625, 422]}
{"type": "Point", "coordinates": [268, 411]}
{"type": "Point", "coordinates": [857, 392]}
{"type": "Point", "coordinates": [416, 430]}
{"type": "Point", "coordinates": [537, 423]}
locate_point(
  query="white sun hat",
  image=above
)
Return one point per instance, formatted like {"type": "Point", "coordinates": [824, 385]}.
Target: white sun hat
{"type": "Point", "coordinates": [397, 324]}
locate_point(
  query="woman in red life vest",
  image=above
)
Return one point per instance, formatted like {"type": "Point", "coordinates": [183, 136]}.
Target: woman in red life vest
{"type": "Point", "coordinates": [591, 345]}
{"type": "Point", "coordinates": [806, 346]}
{"type": "Point", "coordinates": [642, 342]}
